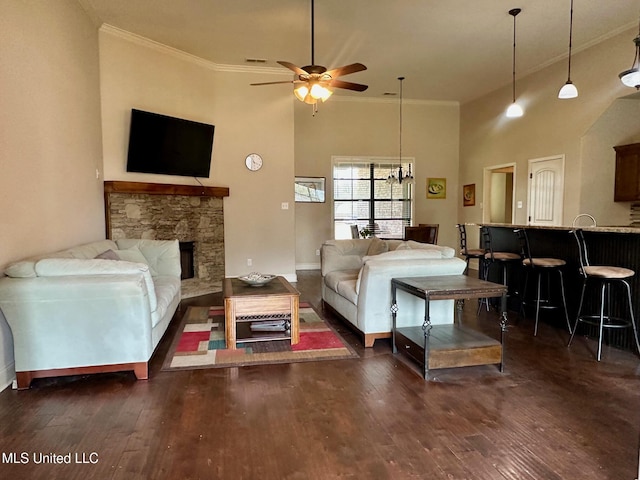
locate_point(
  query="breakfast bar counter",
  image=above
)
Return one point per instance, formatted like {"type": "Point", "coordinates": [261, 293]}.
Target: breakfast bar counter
{"type": "Point", "coordinates": [617, 245]}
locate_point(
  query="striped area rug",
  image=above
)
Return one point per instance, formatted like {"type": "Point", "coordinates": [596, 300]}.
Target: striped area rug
{"type": "Point", "coordinates": [201, 344]}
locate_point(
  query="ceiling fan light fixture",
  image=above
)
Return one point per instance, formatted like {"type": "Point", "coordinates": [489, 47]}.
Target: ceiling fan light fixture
{"type": "Point", "coordinates": [320, 92]}
{"type": "Point", "coordinates": [301, 92]}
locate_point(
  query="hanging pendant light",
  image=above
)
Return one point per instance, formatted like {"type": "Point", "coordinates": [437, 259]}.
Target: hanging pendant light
{"type": "Point", "coordinates": [402, 177]}
{"type": "Point", "coordinates": [631, 77]}
{"type": "Point", "coordinates": [569, 90]}
{"type": "Point", "coordinates": [514, 109]}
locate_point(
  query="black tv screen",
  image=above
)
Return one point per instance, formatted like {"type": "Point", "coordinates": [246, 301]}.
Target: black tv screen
{"type": "Point", "coordinates": [168, 145]}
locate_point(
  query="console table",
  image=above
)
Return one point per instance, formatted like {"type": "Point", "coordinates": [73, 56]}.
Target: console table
{"type": "Point", "coordinates": [451, 345]}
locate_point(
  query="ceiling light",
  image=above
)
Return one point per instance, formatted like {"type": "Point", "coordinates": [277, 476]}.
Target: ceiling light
{"type": "Point", "coordinates": [514, 109]}
{"type": "Point", "coordinates": [631, 77]}
{"type": "Point", "coordinates": [569, 90]}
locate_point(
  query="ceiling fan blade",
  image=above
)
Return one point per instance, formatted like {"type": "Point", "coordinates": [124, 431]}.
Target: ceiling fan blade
{"type": "Point", "coordinates": [292, 67]}
{"type": "Point", "coordinates": [346, 70]}
{"type": "Point", "coordinates": [358, 87]}
{"type": "Point", "coordinates": [270, 83]}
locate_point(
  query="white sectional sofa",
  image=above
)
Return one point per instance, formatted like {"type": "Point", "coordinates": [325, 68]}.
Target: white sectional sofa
{"type": "Point", "coordinates": [73, 313]}
{"type": "Point", "coordinates": [356, 282]}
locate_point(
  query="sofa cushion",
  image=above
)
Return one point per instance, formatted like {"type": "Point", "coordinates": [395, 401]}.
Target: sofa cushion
{"type": "Point", "coordinates": [162, 256]}
{"type": "Point", "coordinates": [347, 288]}
{"type": "Point", "coordinates": [377, 247]}
{"type": "Point", "coordinates": [167, 287]}
{"type": "Point", "coordinates": [108, 255]}
{"type": "Point", "coordinates": [332, 279]}
{"type": "Point", "coordinates": [134, 255]}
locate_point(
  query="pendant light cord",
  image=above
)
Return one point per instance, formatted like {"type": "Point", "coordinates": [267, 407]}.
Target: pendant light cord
{"type": "Point", "coordinates": [313, 62]}
{"type": "Point", "coordinates": [513, 82]}
{"type": "Point", "coordinates": [570, 38]}
{"type": "Point", "coordinates": [400, 153]}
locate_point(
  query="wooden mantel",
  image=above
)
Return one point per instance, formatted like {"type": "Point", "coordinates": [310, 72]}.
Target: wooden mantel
{"type": "Point", "coordinates": [164, 189]}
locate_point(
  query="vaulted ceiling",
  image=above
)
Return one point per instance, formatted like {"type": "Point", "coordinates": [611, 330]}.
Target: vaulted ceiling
{"type": "Point", "coordinates": [453, 50]}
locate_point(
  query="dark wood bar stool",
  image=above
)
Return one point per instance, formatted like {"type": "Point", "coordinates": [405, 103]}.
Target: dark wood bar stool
{"type": "Point", "coordinates": [503, 259]}
{"type": "Point", "coordinates": [541, 267]}
{"type": "Point", "coordinates": [605, 276]}
{"type": "Point", "coordinates": [469, 253]}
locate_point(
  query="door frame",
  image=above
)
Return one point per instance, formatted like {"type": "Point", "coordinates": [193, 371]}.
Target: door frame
{"type": "Point", "coordinates": [486, 190]}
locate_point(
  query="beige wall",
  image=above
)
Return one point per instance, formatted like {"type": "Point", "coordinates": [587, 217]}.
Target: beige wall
{"type": "Point", "coordinates": [138, 74]}
{"type": "Point", "coordinates": [369, 127]}
{"type": "Point", "coordinates": [553, 127]}
{"type": "Point", "coordinates": [50, 140]}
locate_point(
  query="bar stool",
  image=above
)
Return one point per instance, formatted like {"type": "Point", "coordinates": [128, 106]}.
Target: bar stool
{"type": "Point", "coordinates": [541, 266]}
{"type": "Point", "coordinates": [503, 259]}
{"type": "Point", "coordinates": [605, 276]}
{"type": "Point", "coordinates": [469, 253]}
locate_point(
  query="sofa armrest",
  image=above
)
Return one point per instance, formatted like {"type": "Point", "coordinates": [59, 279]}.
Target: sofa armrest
{"type": "Point", "coordinates": [343, 254]}
{"type": "Point", "coordinates": [374, 291]}
{"type": "Point", "coordinates": [68, 267]}
{"type": "Point", "coordinates": [57, 321]}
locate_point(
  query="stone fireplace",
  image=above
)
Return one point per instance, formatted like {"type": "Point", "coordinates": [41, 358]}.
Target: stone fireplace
{"type": "Point", "coordinates": [192, 215]}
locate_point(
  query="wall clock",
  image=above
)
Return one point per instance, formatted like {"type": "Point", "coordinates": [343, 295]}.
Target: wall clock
{"type": "Point", "coordinates": [253, 162]}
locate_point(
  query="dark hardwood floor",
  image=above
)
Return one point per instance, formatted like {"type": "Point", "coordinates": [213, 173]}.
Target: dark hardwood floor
{"type": "Point", "coordinates": [555, 413]}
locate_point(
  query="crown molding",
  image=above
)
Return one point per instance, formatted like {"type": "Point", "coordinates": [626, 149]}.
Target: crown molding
{"type": "Point", "coordinates": [187, 57]}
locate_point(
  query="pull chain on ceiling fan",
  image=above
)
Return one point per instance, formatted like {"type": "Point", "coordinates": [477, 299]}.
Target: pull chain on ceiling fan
{"type": "Point", "coordinates": [314, 82]}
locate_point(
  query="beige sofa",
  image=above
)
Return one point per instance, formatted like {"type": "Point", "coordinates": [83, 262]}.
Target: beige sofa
{"type": "Point", "coordinates": [73, 313]}
{"type": "Point", "coordinates": [356, 282]}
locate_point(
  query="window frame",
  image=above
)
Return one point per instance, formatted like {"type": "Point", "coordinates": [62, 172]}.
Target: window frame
{"type": "Point", "coordinates": [374, 161]}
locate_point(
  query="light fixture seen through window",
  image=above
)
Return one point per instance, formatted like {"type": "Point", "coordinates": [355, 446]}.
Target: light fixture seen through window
{"type": "Point", "coordinates": [569, 90]}
{"type": "Point", "coordinates": [514, 109]}
{"type": "Point", "coordinates": [631, 77]}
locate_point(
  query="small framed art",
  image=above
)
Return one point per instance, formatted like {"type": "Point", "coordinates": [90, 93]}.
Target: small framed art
{"type": "Point", "coordinates": [436, 188]}
{"type": "Point", "coordinates": [469, 195]}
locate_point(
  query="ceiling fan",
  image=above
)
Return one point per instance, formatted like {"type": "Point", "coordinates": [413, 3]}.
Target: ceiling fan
{"type": "Point", "coordinates": [314, 82]}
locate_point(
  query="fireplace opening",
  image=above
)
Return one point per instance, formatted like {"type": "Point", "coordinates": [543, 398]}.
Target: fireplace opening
{"type": "Point", "coordinates": [186, 260]}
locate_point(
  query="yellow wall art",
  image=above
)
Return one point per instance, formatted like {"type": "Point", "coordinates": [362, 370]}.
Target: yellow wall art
{"type": "Point", "coordinates": [436, 188]}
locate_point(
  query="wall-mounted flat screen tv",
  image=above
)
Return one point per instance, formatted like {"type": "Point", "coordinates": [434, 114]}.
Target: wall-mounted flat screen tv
{"type": "Point", "coordinates": [168, 145]}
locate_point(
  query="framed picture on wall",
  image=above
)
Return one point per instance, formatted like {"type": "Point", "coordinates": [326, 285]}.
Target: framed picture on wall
{"type": "Point", "coordinates": [309, 189]}
{"type": "Point", "coordinates": [436, 188]}
{"type": "Point", "coordinates": [469, 195]}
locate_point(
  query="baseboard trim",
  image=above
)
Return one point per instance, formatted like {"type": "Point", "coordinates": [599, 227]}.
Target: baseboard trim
{"type": "Point", "coordinates": [308, 266]}
{"type": "Point", "coordinates": [7, 375]}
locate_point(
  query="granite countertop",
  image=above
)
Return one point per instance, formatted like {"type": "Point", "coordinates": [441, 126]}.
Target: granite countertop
{"type": "Point", "coordinates": [603, 228]}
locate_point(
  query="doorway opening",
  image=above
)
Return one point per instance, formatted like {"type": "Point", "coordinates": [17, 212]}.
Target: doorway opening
{"type": "Point", "coordinates": [499, 194]}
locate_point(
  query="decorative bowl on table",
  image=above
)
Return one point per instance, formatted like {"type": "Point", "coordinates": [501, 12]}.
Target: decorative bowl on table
{"type": "Point", "coordinates": [256, 279]}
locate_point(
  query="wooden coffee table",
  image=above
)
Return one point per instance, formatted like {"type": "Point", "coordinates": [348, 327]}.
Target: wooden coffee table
{"type": "Point", "coordinates": [246, 306]}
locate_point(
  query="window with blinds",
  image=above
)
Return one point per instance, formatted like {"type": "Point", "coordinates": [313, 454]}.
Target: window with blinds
{"type": "Point", "coordinates": [363, 198]}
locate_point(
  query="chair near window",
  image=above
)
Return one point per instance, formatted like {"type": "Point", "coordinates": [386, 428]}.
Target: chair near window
{"type": "Point", "coordinates": [469, 253]}
{"type": "Point", "coordinates": [605, 276]}
{"type": "Point", "coordinates": [424, 233]}
{"type": "Point", "coordinates": [355, 233]}
{"type": "Point", "coordinates": [541, 267]}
